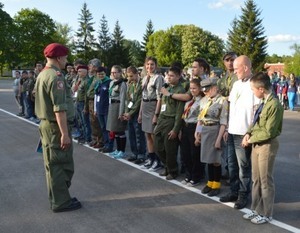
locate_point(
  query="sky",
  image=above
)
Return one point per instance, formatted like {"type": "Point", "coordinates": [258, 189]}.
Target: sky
{"type": "Point", "coordinates": [279, 17]}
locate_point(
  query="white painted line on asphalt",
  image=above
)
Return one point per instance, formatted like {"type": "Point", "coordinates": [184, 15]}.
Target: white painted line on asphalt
{"type": "Point", "coordinates": [176, 182]}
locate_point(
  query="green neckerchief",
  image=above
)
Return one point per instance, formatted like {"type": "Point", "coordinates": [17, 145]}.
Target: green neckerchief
{"type": "Point", "coordinates": [100, 81]}
{"type": "Point", "coordinates": [89, 82]}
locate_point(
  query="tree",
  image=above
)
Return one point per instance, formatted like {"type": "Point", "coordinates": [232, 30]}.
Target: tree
{"type": "Point", "coordinates": [134, 48]}
{"type": "Point", "coordinates": [292, 64]}
{"type": "Point", "coordinates": [247, 35]}
{"type": "Point", "coordinates": [34, 30]}
{"type": "Point", "coordinates": [6, 39]}
{"type": "Point", "coordinates": [104, 38]}
{"type": "Point", "coordinates": [85, 43]}
{"type": "Point", "coordinates": [148, 33]}
{"type": "Point", "coordinates": [184, 43]}
{"type": "Point", "coordinates": [119, 55]}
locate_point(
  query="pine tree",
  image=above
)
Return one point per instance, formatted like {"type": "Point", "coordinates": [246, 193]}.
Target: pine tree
{"type": "Point", "coordinates": [105, 41]}
{"type": "Point", "coordinates": [119, 54]}
{"type": "Point", "coordinates": [85, 43]}
{"type": "Point", "coordinates": [149, 32]}
{"type": "Point", "coordinates": [247, 35]}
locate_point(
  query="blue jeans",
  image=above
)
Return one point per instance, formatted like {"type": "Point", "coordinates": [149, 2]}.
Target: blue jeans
{"type": "Point", "coordinates": [102, 122]}
{"type": "Point", "coordinates": [136, 137]}
{"type": "Point", "coordinates": [239, 165]}
{"type": "Point", "coordinates": [29, 106]}
{"type": "Point", "coordinates": [291, 99]}
{"type": "Point", "coordinates": [83, 121]}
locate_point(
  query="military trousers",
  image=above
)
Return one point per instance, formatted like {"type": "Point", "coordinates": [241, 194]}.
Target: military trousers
{"type": "Point", "coordinates": [58, 163]}
{"type": "Point", "coordinates": [166, 148]}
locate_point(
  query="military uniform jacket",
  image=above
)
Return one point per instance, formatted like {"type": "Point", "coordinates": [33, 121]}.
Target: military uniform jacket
{"type": "Point", "coordinates": [81, 91]}
{"type": "Point", "coordinates": [171, 108]}
{"type": "Point", "coordinates": [134, 97]}
{"type": "Point", "coordinates": [53, 94]}
{"type": "Point", "coordinates": [225, 84]}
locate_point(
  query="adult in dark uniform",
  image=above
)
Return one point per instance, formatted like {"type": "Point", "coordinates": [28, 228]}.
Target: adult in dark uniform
{"type": "Point", "coordinates": [54, 107]}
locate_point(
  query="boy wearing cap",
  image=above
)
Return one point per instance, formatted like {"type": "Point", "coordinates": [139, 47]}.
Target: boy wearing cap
{"type": "Point", "coordinates": [211, 125]}
{"type": "Point", "coordinates": [54, 107]}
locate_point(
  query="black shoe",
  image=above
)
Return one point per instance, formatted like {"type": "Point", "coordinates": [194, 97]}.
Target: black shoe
{"type": "Point", "coordinates": [213, 192]}
{"type": "Point", "coordinates": [105, 150]}
{"type": "Point", "coordinates": [132, 158]}
{"type": "Point", "coordinates": [75, 205]}
{"type": "Point", "coordinates": [229, 198]}
{"type": "Point", "coordinates": [241, 202]}
{"type": "Point", "coordinates": [164, 173]}
{"type": "Point", "coordinates": [171, 177]}
{"type": "Point", "coordinates": [81, 140]}
{"type": "Point", "coordinates": [206, 189]}
{"type": "Point", "coordinates": [139, 161]}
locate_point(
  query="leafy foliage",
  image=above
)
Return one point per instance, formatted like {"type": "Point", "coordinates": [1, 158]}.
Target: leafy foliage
{"type": "Point", "coordinates": [34, 30]}
{"type": "Point", "coordinates": [246, 36]}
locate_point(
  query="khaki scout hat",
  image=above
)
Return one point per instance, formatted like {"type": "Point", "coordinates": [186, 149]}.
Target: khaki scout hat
{"type": "Point", "coordinates": [208, 82]}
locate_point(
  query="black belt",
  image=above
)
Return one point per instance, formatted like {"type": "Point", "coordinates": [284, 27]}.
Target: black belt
{"type": "Point", "coordinates": [115, 101]}
{"type": "Point", "coordinates": [189, 124]}
{"type": "Point", "coordinates": [149, 100]}
{"type": "Point", "coordinates": [262, 143]}
{"type": "Point", "coordinates": [210, 123]}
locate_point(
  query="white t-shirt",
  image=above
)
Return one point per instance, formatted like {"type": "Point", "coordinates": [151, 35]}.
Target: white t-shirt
{"type": "Point", "coordinates": [241, 110]}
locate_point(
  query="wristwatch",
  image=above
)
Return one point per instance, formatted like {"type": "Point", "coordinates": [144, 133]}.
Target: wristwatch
{"type": "Point", "coordinates": [171, 94]}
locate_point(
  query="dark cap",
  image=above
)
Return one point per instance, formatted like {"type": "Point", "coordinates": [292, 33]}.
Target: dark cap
{"type": "Point", "coordinates": [208, 82]}
{"type": "Point", "coordinates": [229, 55]}
{"type": "Point", "coordinates": [55, 50]}
{"type": "Point", "coordinates": [82, 67]}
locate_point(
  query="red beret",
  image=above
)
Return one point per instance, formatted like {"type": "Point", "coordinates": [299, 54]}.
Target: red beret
{"type": "Point", "coordinates": [82, 67]}
{"type": "Point", "coordinates": [55, 50]}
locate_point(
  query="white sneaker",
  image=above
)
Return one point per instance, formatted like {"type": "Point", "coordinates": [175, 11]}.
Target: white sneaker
{"type": "Point", "coordinates": [250, 215]}
{"type": "Point", "coordinates": [259, 219]}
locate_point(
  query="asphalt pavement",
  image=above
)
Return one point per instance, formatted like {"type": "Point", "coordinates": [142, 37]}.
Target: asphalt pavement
{"type": "Point", "coordinates": [118, 196]}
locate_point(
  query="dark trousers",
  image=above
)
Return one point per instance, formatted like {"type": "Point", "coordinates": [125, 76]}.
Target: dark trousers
{"type": "Point", "coordinates": [195, 169]}
{"type": "Point", "coordinates": [136, 137]}
{"type": "Point", "coordinates": [166, 148]}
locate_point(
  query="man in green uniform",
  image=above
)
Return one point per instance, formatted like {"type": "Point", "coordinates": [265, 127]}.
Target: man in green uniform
{"type": "Point", "coordinates": [54, 107]}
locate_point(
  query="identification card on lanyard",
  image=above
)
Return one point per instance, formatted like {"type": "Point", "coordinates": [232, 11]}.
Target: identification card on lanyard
{"type": "Point", "coordinates": [163, 108]}
{"type": "Point", "coordinates": [130, 104]}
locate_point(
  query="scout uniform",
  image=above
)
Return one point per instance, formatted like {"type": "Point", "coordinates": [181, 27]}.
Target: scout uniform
{"type": "Point", "coordinates": [89, 106]}
{"type": "Point", "coordinates": [263, 136]}
{"type": "Point", "coordinates": [53, 94]}
{"type": "Point", "coordinates": [79, 96]}
{"type": "Point", "coordinates": [136, 136]}
{"type": "Point", "coordinates": [101, 107]}
{"type": "Point", "coordinates": [169, 119]}
{"type": "Point", "coordinates": [213, 114]}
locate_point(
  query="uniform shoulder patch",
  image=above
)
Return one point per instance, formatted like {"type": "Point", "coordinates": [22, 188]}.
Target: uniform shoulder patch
{"type": "Point", "coordinates": [60, 85]}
